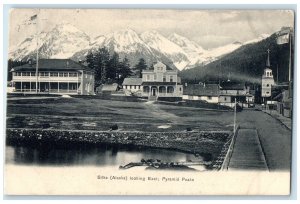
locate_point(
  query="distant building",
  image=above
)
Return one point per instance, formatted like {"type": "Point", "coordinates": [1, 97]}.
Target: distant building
{"type": "Point", "coordinates": [59, 76]}
{"type": "Point", "coordinates": [203, 92]}
{"type": "Point", "coordinates": [267, 81]}
{"type": "Point", "coordinates": [229, 91]}
{"type": "Point", "coordinates": [158, 83]}
{"type": "Point", "coordinates": [107, 88]}
{"type": "Point", "coordinates": [133, 86]}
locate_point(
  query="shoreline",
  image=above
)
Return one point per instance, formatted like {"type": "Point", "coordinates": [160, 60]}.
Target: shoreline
{"type": "Point", "coordinates": [208, 144]}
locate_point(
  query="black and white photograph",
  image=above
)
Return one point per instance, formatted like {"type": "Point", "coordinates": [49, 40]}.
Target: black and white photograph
{"type": "Point", "coordinates": [149, 101]}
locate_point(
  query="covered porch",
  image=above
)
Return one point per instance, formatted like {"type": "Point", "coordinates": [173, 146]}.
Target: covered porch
{"type": "Point", "coordinates": [48, 87]}
{"type": "Point", "coordinates": [159, 91]}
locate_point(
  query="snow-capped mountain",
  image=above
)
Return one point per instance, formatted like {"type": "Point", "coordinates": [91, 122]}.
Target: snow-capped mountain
{"type": "Point", "coordinates": [126, 42]}
{"type": "Point", "coordinates": [192, 49]}
{"type": "Point", "coordinates": [199, 56]}
{"type": "Point", "coordinates": [214, 54]}
{"type": "Point", "coordinates": [162, 45]}
{"type": "Point", "coordinates": [66, 41]}
{"type": "Point", "coordinates": [61, 42]}
{"type": "Point", "coordinates": [26, 48]}
{"type": "Point", "coordinates": [260, 38]}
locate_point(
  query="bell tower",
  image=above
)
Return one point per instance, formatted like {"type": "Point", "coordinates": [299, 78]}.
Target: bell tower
{"type": "Point", "coordinates": [267, 79]}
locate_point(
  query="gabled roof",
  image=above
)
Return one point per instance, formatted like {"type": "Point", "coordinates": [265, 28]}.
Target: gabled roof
{"type": "Point", "coordinates": [201, 90]}
{"type": "Point", "coordinates": [232, 86]}
{"type": "Point", "coordinates": [53, 65]}
{"type": "Point", "coordinates": [158, 83]}
{"type": "Point", "coordinates": [109, 87]}
{"type": "Point", "coordinates": [132, 81]}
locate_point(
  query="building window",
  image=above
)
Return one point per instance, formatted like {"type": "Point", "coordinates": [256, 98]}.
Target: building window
{"type": "Point", "coordinates": [65, 74]}
{"type": "Point", "coordinates": [209, 97]}
{"type": "Point", "coordinates": [148, 77]}
{"type": "Point", "coordinates": [72, 74]}
{"type": "Point", "coordinates": [225, 99]}
{"type": "Point", "coordinates": [170, 89]}
{"type": "Point", "coordinates": [32, 73]}
{"type": "Point", "coordinates": [180, 89]}
{"type": "Point", "coordinates": [162, 89]}
{"type": "Point", "coordinates": [130, 86]}
{"type": "Point", "coordinates": [53, 74]}
{"type": "Point", "coordinates": [164, 79]}
{"type": "Point", "coordinates": [171, 78]}
{"type": "Point", "coordinates": [61, 74]}
{"type": "Point", "coordinates": [44, 74]}
{"type": "Point", "coordinates": [267, 92]}
{"type": "Point", "coordinates": [268, 85]}
{"type": "Point", "coordinates": [146, 89]}
{"type": "Point", "coordinates": [155, 77]}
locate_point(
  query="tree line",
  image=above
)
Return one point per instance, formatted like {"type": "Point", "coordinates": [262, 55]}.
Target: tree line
{"type": "Point", "coordinates": [110, 68]}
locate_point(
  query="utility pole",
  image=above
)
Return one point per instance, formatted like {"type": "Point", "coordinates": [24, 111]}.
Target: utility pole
{"type": "Point", "coordinates": [37, 52]}
{"type": "Point", "coordinates": [234, 116]}
{"type": "Point", "coordinates": [277, 75]}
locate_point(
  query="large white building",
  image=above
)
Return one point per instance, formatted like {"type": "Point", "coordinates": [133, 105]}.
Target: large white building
{"type": "Point", "coordinates": [161, 83]}
{"type": "Point", "coordinates": [59, 76]}
{"type": "Point", "coordinates": [157, 83]}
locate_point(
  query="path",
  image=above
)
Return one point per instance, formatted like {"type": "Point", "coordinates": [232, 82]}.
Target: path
{"type": "Point", "coordinates": [274, 137]}
{"type": "Point", "coordinates": [247, 153]}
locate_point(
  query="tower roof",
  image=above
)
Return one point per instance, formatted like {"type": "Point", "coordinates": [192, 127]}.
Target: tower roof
{"type": "Point", "coordinates": [268, 65]}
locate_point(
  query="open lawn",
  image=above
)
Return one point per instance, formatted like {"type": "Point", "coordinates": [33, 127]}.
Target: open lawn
{"type": "Point", "coordinates": [99, 114]}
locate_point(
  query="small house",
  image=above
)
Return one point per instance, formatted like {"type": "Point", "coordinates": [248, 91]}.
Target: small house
{"type": "Point", "coordinates": [203, 92]}
{"type": "Point", "coordinates": [132, 86]}
{"type": "Point", "coordinates": [107, 88]}
{"type": "Point", "coordinates": [229, 91]}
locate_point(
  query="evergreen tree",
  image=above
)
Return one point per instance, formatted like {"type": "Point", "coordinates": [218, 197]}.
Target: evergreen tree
{"type": "Point", "coordinates": [103, 63]}
{"type": "Point", "coordinates": [124, 70]}
{"type": "Point", "coordinates": [13, 63]}
{"type": "Point", "coordinates": [113, 67]}
{"type": "Point", "coordinates": [90, 60]}
{"type": "Point", "coordinates": [141, 66]}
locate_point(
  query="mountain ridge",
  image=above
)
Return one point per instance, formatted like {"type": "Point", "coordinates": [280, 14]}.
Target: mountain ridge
{"type": "Point", "coordinates": [67, 41]}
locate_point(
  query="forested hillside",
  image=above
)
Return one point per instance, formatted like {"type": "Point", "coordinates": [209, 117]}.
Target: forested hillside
{"type": "Point", "coordinates": [245, 64]}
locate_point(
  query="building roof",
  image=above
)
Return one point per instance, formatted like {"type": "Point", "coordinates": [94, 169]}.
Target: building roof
{"type": "Point", "coordinates": [132, 81]}
{"type": "Point", "coordinates": [109, 87]}
{"type": "Point", "coordinates": [157, 83]}
{"type": "Point", "coordinates": [53, 65]}
{"type": "Point", "coordinates": [201, 90]}
{"type": "Point", "coordinates": [232, 86]}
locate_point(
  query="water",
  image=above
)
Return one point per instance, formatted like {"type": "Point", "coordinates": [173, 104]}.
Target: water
{"type": "Point", "coordinates": [103, 155]}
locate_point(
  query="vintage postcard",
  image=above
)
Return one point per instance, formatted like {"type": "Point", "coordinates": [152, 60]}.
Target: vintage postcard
{"type": "Point", "coordinates": [149, 102]}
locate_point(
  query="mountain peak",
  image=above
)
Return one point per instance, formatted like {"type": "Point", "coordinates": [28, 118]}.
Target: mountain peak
{"type": "Point", "coordinates": [237, 43]}
{"type": "Point", "coordinates": [67, 27]}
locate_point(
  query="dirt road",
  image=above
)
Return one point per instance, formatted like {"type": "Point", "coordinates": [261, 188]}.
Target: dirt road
{"type": "Point", "coordinates": [274, 137]}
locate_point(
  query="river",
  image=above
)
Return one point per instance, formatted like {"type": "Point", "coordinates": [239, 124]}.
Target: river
{"type": "Point", "coordinates": [102, 155]}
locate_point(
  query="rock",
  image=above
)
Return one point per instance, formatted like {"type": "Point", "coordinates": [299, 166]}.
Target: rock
{"type": "Point", "coordinates": [188, 129]}
{"type": "Point", "coordinates": [114, 127]}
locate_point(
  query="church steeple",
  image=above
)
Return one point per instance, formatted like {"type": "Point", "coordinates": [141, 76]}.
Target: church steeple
{"type": "Point", "coordinates": [268, 65]}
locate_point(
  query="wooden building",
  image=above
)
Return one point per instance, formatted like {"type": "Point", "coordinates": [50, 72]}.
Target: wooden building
{"type": "Point", "coordinates": [161, 83]}
{"type": "Point", "coordinates": [201, 92]}
{"type": "Point", "coordinates": [59, 76]}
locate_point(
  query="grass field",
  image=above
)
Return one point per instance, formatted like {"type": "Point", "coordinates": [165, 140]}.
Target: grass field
{"type": "Point", "coordinates": [99, 114]}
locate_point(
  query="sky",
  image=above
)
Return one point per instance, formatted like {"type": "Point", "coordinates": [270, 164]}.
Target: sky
{"type": "Point", "coordinates": [209, 28]}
